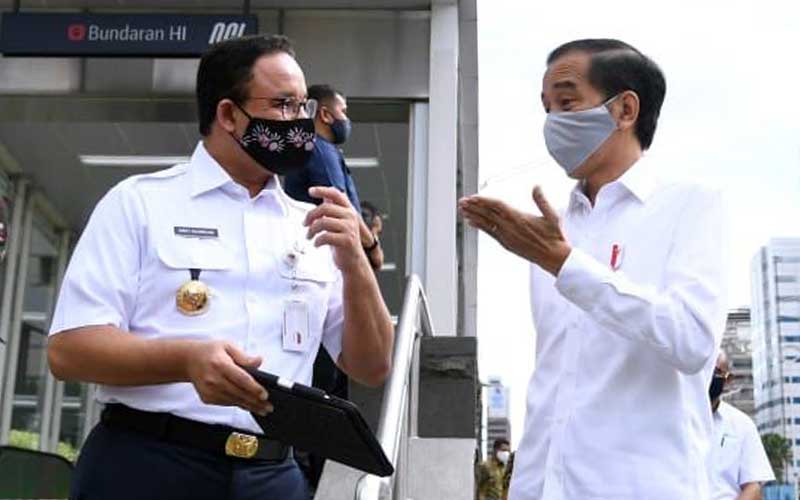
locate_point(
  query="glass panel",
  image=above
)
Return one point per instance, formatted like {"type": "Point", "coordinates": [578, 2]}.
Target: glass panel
{"type": "Point", "coordinates": [31, 374]}
{"type": "Point", "coordinates": [378, 154]}
{"type": "Point", "coordinates": [73, 414]}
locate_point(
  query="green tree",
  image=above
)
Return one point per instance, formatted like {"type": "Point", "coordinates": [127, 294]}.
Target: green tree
{"type": "Point", "coordinates": [779, 452]}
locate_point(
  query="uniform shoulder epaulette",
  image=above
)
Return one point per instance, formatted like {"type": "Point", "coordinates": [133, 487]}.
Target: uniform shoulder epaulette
{"type": "Point", "coordinates": [167, 173]}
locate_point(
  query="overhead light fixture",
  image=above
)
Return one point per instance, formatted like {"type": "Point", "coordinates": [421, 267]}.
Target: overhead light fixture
{"type": "Point", "coordinates": [136, 161]}
{"type": "Point", "coordinates": [362, 162]}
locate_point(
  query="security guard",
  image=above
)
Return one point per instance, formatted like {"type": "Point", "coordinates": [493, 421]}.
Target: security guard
{"type": "Point", "coordinates": [183, 277]}
{"type": "Point", "coordinates": [492, 472]}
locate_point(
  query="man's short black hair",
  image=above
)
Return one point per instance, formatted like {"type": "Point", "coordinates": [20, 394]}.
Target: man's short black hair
{"type": "Point", "coordinates": [323, 93]}
{"type": "Point", "coordinates": [616, 67]}
{"type": "Point", "coordinates": [500, 442]}
{"type": "Point", "coordinates": [227, 68]}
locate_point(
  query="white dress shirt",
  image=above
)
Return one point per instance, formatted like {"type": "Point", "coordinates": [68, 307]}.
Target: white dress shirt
{"type": "Point", "coordinates": [131, 260]}
{"type": "Point", "coordinates": [626, 342]}
{"type": "Point", "coordinates": [737, 455]}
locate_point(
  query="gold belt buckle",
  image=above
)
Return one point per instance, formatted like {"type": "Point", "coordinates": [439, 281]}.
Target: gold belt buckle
{"type": "Point", "coordinates": [241, 445]}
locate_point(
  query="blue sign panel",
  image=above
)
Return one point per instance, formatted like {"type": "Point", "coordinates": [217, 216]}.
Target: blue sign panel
{"type": "Point", "coordinates": [118, 35]}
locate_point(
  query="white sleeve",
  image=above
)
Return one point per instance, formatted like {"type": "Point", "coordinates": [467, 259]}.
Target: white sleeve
{"type": "Point", "coordinates": [754, 464]}
{"type": "Point", "coordinates": [101, 281]}
{"type": "Point", "coordinates": [334, 320]}
{"type": "Point", "coordinates": [684, 319]}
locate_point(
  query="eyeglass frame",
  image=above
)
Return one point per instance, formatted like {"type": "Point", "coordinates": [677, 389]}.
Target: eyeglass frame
{"type": "Point", "coordinates": [308, 105]}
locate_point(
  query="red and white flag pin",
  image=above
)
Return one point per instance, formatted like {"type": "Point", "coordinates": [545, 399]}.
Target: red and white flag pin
{"type": "Point", "coordinates": [616, 256]}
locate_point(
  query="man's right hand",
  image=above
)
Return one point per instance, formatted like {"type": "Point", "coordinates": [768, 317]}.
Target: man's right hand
{"type": "Point", "coordinates": [215, 370]}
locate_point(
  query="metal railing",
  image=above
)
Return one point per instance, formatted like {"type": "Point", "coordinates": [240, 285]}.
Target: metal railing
{"type": "Point", "coordinates": [399, 398]}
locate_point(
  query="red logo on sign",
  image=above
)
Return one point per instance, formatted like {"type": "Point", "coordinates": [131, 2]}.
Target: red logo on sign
{"type": "Point", "coordinates": [76, 32]}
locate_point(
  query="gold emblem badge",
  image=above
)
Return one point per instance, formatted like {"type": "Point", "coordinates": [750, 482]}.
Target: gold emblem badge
{"type": "Point", "coordinates": [193, 296]}
{"type": "Point", "coordinates": [241, 445]}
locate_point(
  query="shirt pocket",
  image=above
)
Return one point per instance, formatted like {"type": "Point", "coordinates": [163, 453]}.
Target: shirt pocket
{"type": "Point", "coordinates": [307, 268]}
{"type": "Point", "coordinates": [177, 259]}
{"type": "Point", "coordinates": [206, 255]}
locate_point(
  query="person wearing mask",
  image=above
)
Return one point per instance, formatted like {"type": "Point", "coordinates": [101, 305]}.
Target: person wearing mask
{"type": "Point", "coordinates": [627, 293]}
{"type": "Point", "coordinates": [738, 465]}
{"type": "Point", "coordinates": [184, 278]}
{"type": "Point", "coordinates": [327, 166]}
{"type": "Point", "coordinates": [491, 472]}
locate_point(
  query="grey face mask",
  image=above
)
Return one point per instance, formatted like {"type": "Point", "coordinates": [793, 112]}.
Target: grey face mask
{"type": "Point", "coordinates": [572, 136]}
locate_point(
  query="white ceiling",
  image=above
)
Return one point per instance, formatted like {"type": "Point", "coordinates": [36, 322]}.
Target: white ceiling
{"type": "Point", "coordinates": [41, 148]}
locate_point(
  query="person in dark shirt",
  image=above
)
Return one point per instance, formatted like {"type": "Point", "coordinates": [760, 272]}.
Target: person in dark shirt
{"type": "Point", "coordinates": [327, 166]}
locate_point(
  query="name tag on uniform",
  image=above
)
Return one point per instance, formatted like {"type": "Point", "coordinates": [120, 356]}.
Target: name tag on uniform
{"type": "Point", "coordinates": [196, 232]}
{"type": "Point", "coordinates": [295, 326]}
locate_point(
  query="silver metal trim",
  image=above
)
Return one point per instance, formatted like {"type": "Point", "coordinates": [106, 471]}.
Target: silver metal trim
{"type": "Point", "coordinates": [54, 392]}
{"type": "Point", "coordinates": [16, 323]}
{"type": "Point", "coordinates": [12, 259]}
{"type": "Point", "coordinates": [399, 397]}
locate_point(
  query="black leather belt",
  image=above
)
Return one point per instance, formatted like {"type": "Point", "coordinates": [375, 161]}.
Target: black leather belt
{"type": "Point", "coordinates": [182, 431]}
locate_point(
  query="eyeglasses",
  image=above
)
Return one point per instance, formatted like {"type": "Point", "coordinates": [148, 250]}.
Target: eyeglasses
{"type": "Point", "coordinates": [291, 108]}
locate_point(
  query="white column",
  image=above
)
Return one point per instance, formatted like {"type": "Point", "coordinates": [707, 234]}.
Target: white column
{"type": "Point", "coordinates": [53, 398]}
{"type": "Point", "coordinates": [15, 328]}
{"type": "Point", "coordinates": [441, 276]}
{"type": "Point", "coordinates": [417, 213]}
{"type": "Point", "coordinates": [12, 258]}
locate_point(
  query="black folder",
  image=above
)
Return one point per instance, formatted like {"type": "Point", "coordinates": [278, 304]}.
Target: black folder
{"type": "Point", "coordinates": [311, 420]}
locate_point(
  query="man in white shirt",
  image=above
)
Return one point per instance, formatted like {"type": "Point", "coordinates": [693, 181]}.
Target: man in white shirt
{"type": "Point", "coordinates": [738, 464]}
{"type": "Point", "coordinates": [626, 292]}
{"type": "Point", "coordinates": [185, 277]}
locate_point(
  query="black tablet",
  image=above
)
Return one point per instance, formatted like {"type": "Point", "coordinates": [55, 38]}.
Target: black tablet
{"type": "Point", "coordinates": [311, 420]}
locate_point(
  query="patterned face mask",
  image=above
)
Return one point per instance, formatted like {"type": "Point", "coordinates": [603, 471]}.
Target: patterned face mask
{"type": "Point", "coordinates": [280, 146]}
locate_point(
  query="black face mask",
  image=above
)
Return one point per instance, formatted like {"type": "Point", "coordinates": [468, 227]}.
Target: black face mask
{"type": "Point", "coordinates": [280, 146]}
{"type": "Point", "coordinates": [715, 389]}
{"type": "Point", "coordinates": [341, 130]}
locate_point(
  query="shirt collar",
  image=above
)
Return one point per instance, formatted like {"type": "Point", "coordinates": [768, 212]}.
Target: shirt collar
{"type": "Point", "coordinates": [207, 174]}
{"type": "Point", "coordinates": [640, 180]}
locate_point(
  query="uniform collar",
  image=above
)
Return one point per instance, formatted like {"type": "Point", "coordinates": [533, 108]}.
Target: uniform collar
{"type": "Point", "coordinates": [207, 174]}
{"type": "Point", "coordinates": [640, 180]}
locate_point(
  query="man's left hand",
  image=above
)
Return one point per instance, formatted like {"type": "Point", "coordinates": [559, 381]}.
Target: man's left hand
{"type": "Point", "coordinates": [339, 224]}
{"type": "Point", "coordinates": [537, 239]}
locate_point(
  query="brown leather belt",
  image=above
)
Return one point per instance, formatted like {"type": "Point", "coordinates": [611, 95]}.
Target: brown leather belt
{"type": "Point", "coordinates": [182, 431]}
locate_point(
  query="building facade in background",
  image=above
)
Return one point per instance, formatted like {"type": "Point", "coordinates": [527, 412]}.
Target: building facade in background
{"type": "Point", "coordinates": [498, 425]}
{"type": "Point", "coordinates": [736, 342]}
{"type": "Point", "coordinates": [775, 323]}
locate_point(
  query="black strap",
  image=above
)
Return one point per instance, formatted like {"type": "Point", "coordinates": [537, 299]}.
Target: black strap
{"type": "Point", "coordinates": [375, 243]}
{"type": "Point", "coordinates": [186, 432]}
